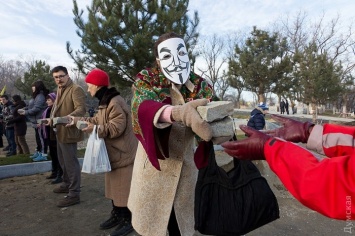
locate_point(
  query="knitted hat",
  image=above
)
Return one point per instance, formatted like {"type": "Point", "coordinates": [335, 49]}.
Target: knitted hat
{"type": "Point", "coordinates": [263, 106]}
{"type": "Point", "coordinates": [51, 96]}
{"type": "Point", "coordinates": [97, 77]}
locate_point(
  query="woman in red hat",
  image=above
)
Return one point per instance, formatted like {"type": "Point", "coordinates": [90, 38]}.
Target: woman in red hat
{"type": "Point", "coordinates": [113, 121]}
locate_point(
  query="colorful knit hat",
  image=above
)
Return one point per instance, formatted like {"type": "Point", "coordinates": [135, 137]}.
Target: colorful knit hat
{"type": "Point", "coordinates": [51, 96]}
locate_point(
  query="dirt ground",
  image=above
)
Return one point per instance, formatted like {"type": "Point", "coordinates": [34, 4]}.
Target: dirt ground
{"type": "Point", "coordinates": [28, 207]}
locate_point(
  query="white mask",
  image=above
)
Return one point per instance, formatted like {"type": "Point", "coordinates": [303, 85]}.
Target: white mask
{"type": "Point", "coordinates": [174, 60]}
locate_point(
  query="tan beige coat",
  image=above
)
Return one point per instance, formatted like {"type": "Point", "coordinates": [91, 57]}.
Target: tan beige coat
{"type": "Point", "coordinates": [71, 102]}
{"type": "Point", "coordinates": [115, 127]}
{"type": "Point", "coordinates": [153, 192]}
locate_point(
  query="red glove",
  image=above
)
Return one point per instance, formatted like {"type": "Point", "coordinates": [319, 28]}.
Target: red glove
{"type": "Point", "coordinates": [251, 148]}
{"type": "Point", "coordinates": [292, 130]}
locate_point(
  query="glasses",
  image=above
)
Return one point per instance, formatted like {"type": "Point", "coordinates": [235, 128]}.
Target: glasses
{"type": "Point", "coordinates": [59, 76]}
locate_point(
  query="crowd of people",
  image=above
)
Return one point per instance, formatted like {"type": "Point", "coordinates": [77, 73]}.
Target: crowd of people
{"type": "Point", "coordinates": [151, 145]}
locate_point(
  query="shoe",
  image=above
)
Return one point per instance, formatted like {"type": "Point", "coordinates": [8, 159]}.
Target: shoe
{"type": "Point", "coordinates": [57, 180]}
{"type": "Point", "coordinates": [111, 222]}
{"type": "Point", "coordinates": [36, 154]}
{"type": "Point", "coordinates": [61, 189]}
{"type": "Point", "coordinates": [68, 201]}
{"type": "Point", "coordinates": [10, 154]}
{"type": "Point", "coordinates": [52, 176]}
{"type": "Point", "coordinates": [40, 157]}
{"type": "Point", "coordinates": [123, 229]}
{"type": "Point", "coordinates": [6, 148]}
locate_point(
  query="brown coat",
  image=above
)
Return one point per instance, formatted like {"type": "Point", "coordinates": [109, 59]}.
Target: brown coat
{"type": "Point", "coordinates": [71, 102]}
{"type": "Point", "coordinates": [115, 127]}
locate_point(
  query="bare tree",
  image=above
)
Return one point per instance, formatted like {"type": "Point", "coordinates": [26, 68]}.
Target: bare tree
{"type": "Point", "coordinates": [213, 54]}
{"type": "Point", "coordinates": [329, 38]}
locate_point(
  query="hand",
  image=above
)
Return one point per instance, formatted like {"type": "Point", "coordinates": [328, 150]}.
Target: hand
{"type": "Point", "coordinates": [21, 111]}
{"type": "Point", "coordinates": [251, 148]}
{"type": "Point", "coordinates": [188, 115]}
{"type": "Point", "coordinates": [70, 120]}
{"type": "Point", "coordinates": [292, 130]}
{"type": "Point", "coordinates": [89, 128]}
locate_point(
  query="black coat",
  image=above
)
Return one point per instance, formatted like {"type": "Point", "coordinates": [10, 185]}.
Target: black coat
{"type": "Point", "coordinates": [19, 121]}
{"type": "Point", "coordinates": [257, 119]}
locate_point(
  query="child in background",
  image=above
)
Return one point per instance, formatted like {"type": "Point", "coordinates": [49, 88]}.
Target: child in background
{"type": "Point", "coordinates": [50, 141]}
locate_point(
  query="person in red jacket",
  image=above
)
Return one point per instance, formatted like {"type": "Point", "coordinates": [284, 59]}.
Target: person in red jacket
{"type": "Point", "coordinates": [326, 185]}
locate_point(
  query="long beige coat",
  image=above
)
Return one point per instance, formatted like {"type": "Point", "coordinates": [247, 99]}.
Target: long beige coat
{"type": "Point", "coordinates": [115, 127]}
{"type": "Point", "coordinates": [153, 192]}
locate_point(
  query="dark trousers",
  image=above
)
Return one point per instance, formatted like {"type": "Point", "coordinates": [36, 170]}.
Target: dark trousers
{"type": "Point", "coordinates": [10, 136]}
{"type": "Point", "coordinates": [56, 168]}
{"type": "Point", "coordinates": [39, 141]}
{"type": "Point", "coordinates": [67, 156]}
{"type": "Point", "coordinates": [173, 226]}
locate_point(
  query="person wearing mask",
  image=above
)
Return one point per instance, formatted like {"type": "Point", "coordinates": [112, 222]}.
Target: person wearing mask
{"type": "Point", "coordinates": [7, 113]}
{"type": "Point", "coordinates": [327, 185]}
{"type": "Point", "coordinates": [36, 106]}
{"type": "Point", "coordinates": [70, 101]}
{"type": "Point", "coordinates": [165, 121]}
{"type": "Point", "coordinates": [257, 117]}
{"type": "Point", "coordinates": [20, 125]}
{"type": "Point", "coordinates": [114, 124]}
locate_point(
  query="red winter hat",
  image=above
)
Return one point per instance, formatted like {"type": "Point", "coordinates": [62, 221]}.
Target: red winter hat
{"type": "Point", "coordinates": [97, 77]}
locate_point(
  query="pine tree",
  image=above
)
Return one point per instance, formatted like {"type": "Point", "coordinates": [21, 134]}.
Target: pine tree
{"type": "Point", "coordinates": [39, 70]}
{"type": "Point", "coordinates": [119, 35]}
{"type": "Point", "coordinates": [260, 64]}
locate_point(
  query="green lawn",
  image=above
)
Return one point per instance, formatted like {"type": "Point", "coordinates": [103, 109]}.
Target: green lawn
{"type": "Point", "coordinates": [25, 158]}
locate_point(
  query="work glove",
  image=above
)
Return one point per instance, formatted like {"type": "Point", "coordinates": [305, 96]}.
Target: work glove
{"type": "Point", "coordinates": [188, 115]}
{"type": "Point", "coordinates": [292, 130]}
{"type": "Point", "coordinates": [251, 148]}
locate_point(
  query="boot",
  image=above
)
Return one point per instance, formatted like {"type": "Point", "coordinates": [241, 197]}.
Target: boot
{"type": "Point", "coordinates": [125, 226]}
{"type": "Point", "coordinates": [114, 219]}
{"type": "Point", "coordinates": [123, 229]}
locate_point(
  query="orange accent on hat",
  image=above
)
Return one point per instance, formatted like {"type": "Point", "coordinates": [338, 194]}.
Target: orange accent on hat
{"type": "Point", "coordinates": [97, 77]}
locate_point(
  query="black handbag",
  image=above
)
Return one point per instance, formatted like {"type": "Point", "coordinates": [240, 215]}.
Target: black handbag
{"type": "Point", "coordinates": [234, 202]}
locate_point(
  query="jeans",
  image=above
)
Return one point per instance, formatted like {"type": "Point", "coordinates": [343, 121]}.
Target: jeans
{"type": "Point", "coordinates": [10, 136]}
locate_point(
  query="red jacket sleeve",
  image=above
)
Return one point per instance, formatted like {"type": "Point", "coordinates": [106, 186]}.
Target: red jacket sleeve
{"type": "Point", "coordinates": [327, 187]}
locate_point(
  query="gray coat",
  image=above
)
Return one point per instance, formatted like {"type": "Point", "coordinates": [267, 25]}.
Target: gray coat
{"type": "Point", "coordinates": [36, 107]}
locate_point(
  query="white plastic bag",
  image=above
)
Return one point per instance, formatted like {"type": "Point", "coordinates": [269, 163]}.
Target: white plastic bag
{"type": "Point", "coordinates": [96, 158]}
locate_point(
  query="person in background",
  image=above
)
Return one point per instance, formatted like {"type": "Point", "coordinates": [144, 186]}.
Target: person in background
{"type": "Point", "coordinates": [7, 112]}
{"type": "Point", "coordinates": [20, 126]}
{"type": "Point", "coordinates": [36, 106]}
{"type": "Point", "coordinates": [114, 125]}
{"type": "Point", "coordinates": [257, 117]}
{"type": "Point", "coordinates": [1, 127]}
{"type": "Point", "coordinates": [286, 107]}
{"type": "Point", "coordinates": [282, 106]}
{"type": "Point", "coordinates": [50, 141]}
{"type": "Point", "coordinates": [326, 186]}
{"type": "Point", "coordinates": [165, 121]}
{"type": "Point", "coordinates": [70, 101]}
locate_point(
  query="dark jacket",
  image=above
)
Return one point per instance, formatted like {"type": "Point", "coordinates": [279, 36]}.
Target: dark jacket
{"type": "Point", "coordinates": [257, 119]}
{"type": "Point", "coordinates": [7, 113]}
{"type": "Point", "coordinates": [19, 121]}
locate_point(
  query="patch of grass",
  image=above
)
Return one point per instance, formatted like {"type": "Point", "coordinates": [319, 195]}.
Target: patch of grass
{"type": "Point", "coordinates": [25, 158]}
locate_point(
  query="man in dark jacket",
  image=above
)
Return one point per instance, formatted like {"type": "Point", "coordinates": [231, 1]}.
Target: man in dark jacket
{"type": "Point", "coordinates": [20, 125]}
{"type": "Point", "coordinates": [7, 112]}
{"type": "Point", "coordinates": [257, 117]}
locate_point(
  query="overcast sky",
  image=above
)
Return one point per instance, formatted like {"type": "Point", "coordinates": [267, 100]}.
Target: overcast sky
{"type": "Point", "coordinates": [40, 28]}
